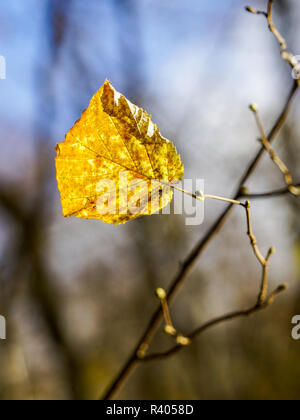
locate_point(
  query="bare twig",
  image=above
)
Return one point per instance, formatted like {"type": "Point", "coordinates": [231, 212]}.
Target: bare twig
{"type": "Point", "coordinates": [263, 261]}
{"type": "Point", "coordinates": [262, 302]}
{"type": "Point", "coordinates": [253, 241]}
{"type": "Point", "coordinates": [288, 57]}
{"type": "Point", "coordinates": [282, 167]}
{"type": "Point", "coordinates": [200, 196]}
{"type": "Point", "coordinates": [269, 194]}
{"type": "Point", "coordinates": [275, 158]}
{"type": "Point", "coordinates": [217, 321]}
{"type": "Point", "coordinates": [276, 33]}
{"type": "Point", "coordinates": [162, 296]}
{"type": "Point", "coordinates": [191, 259]}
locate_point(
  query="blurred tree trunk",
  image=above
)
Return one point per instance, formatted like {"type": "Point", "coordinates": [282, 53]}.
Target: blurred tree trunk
{"type": "Point", "coordinates": [42, 283]}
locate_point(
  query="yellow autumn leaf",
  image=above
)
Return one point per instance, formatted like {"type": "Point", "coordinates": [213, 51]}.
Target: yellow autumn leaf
{"type": "Point", "coordinates": [114, 164]}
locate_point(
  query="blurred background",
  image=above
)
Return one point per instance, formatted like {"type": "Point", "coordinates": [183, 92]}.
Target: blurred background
{"type": "Point", "coordinates": [77, 294]}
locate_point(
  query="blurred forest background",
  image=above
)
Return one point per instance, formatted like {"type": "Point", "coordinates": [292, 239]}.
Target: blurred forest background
{"type": "Point", "coordinates": [77, 294]}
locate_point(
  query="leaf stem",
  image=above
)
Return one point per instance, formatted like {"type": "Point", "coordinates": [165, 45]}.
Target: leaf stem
{"type": "Point", "coordinates": [201, 196]}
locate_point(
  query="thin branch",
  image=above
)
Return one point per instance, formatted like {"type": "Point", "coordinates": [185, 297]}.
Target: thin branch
{"type": "Point", "coordinates": [275, 158]}
{"type": "Point", "coordinates": [226, 200]}
{"type": "Point", "coordinates": [262, 301]}
{"type": "Point", "coordinates": [200, 196]}
{"type": "Point", "coordinates": [288, 57]}
{"type": "Point", "coordinates": [162, 296]}
{"type": "Point", "coordinates": [263, 261]}
{"type": "Point", "coordinates": [192, 258]}
{"type": "Point", "coordinates": [275, 32]}
{"type": "Point", "coordinates": [253, 240]}
{"type": "Point", "coordinates": [269, 194]}
{"type": "Point", "coordinates": [217, 321]}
